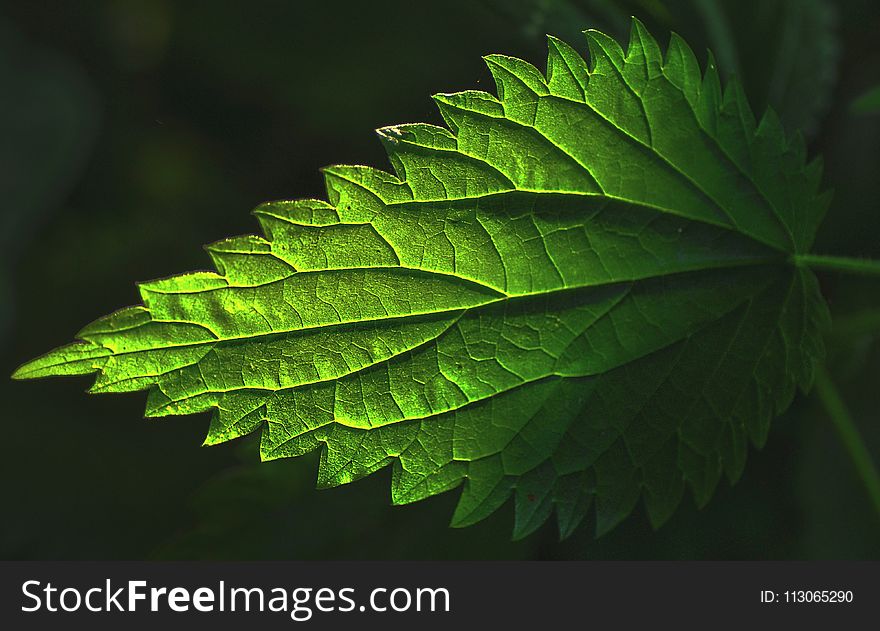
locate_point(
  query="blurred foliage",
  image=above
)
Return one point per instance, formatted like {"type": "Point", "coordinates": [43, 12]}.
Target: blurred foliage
{"type": "Point", "coordinates": [47, 130]}
{"type": "Point", "coordinates": [203, 114]}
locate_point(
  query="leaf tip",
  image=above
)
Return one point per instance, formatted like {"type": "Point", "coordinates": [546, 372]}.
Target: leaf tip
{"type": "Point", "coordinates": [637, 24]}
{"type": "Point", "coordinates": [212, 440]}
{"type": "Point", "coordinates": [77, 358]}
{"type": "Point", "coordinates": [23, 372]}
{"type": "Point", "coordinates": [555, 42]}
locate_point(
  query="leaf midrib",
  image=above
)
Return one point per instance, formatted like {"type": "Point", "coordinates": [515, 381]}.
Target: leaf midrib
{"type": "Point", "coordinates": [744, 262]}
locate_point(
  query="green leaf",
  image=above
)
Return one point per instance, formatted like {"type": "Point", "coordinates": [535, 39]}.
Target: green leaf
{"type": "Point", "coordinates": [786, 52]}
{"type": "Point", "coordinates": [581, 294]}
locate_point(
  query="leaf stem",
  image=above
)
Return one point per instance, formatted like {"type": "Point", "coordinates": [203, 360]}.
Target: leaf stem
{"type": "Point", "coordinates": [869, 267]}
{"type": "Point", "coordinates": [849, 435]}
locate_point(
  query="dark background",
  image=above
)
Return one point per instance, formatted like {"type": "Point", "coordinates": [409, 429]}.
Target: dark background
{"type": "Point", "coordinates": [133, 131]}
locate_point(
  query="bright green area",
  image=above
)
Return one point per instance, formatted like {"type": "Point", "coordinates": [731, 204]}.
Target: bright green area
{"type": "Point", "coordinates": [579, 294]}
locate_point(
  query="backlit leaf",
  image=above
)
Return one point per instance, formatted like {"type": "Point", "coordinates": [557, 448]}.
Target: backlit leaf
{"type": "Point", "coordinates": [581, 293]}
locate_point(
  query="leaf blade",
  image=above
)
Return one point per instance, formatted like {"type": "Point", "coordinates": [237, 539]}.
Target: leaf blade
{"type": "Point", "coordinates": [585, 280]}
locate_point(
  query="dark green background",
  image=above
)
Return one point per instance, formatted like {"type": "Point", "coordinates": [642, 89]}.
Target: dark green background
{"type": "Point", "coordinates": [135, 131]}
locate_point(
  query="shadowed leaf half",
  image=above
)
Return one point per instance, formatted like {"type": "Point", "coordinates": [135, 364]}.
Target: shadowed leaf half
{"type": "Point", "coordinates": [580, 294]}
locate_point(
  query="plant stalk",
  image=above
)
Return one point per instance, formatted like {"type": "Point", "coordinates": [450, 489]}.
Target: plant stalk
{"type": "Point", "coordinates": [849, 435]}
{"type": "Point", "coordinates": [867, 267]}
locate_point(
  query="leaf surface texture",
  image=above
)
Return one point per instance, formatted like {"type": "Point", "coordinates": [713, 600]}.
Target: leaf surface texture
{"type": "Point", "coordinates": [580, 293]}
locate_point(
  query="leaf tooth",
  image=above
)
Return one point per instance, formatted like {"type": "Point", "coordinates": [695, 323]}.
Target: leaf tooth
{"type": "Point", "coordinates": [703, 472]}
{"type": "Point", "coordinates": [287, 434]}
{"type": "Point", "coordinates": [683, 69]}
{"type": "Point", "coordinates": [241, 244]}
{"type": "Point", "coordinates": [421, 134]}
{"type": "Point", "coordinates": [359, 192]}
{"type": "Point", "coordinates": [735, 102]}
{"type": "Point", "coordinates": [573, 497]}
{"type": "Point", "coordinates": [434, 167]}
{"type": "Point", "coordinates": [349, 463]}
{"type": "Point", "coordinates": [237, 414]}
{"type": "Point", "coordinates": [103, 384]}
{"type": "Point", "coordinates": [603, 50]}
{"type": "Point", "coordinates": [770, 129]}
{"type": "Point", "coordinates": [533, 500]}
{"type": "Point", "coordinates": [134, 365]}
{"type": "Point", "coordinates": [312, 212]}
{"type": "Point", "coordinates": [662, 483]}
{"type": "Point", "coordinates": [410, 486]}
{"type": "Point", "coordinates": [451, 106]}
{"type": "Point", "coordinates": [519, 85]}
{"type": "Point", "coordinates": [247, 260]}
{"type": "Point", "coordinates": [643, 50]}
{"type": "Point", "coordinates": [191, 282]}
{"type": "Point", "coordinates": [160, 404]}
{"type": "Point", "coordinates": [295, 230]}
{"type": "Point", "coordinates": [512, 74]}
{"type": "Point", "coordinates": [617, 487]}
{"type": "Point", "coordinates": [709, 104]}
{"type": "Point", "coordinates": [489, 135]}
{"type": "Point", "coordinates": [401, 141]}
{"type": "Point", "coordinates": [567, 72]}
{"type": "Point", "coordinates": [486, 489]}
{"type": "Point", "coordinates": [124, 319]}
